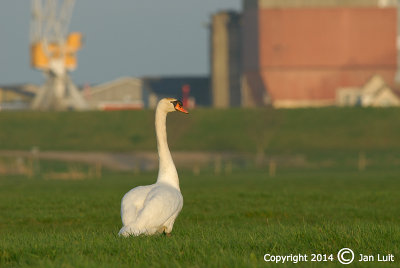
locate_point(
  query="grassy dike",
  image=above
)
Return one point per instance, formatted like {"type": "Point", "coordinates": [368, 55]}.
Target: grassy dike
{"type": "Point", "coordinates": [311, 131]}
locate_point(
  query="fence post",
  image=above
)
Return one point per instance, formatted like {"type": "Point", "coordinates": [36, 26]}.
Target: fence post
{"type": "Point", "coordinates": [217, 164]}
{"type": "Point", "coordinates": [362, 161]}
{"type": "Point", "coordinates": [272, 168]}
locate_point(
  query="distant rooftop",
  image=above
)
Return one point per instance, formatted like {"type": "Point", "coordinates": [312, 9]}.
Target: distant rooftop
{"type": "Point", "coordinates": [247, 4]}
{"type": "Point", "coordinates": [20, 89]}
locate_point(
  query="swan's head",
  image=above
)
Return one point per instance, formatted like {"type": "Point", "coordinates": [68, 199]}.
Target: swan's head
{"type": "Point", "coordinates": [172, 105]}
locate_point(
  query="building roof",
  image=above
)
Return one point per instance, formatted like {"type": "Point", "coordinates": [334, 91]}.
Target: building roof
{"type": "Point", "coordinates": [19, 89]}
{"type": "Point", "coordinates": [249, 4]}
{"type": "Point", "coordinates": [115, 83]}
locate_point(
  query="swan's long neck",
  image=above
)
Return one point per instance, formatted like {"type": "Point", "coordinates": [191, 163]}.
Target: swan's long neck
{"type": "Point", "coordinates": [167, 172]}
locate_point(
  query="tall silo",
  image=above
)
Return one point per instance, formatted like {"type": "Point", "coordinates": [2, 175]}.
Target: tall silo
{"type": "Point", "coordinates": [225, 45]}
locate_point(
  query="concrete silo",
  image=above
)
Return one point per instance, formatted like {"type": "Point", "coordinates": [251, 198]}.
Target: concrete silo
{"type": "Point", "coordinates": [225, 46]}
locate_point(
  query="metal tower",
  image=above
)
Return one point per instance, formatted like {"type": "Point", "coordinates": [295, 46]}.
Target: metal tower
{"type": "Point", "coordinates": [53, 51]}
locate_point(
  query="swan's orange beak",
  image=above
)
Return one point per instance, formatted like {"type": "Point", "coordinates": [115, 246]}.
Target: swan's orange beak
{"type": "Point", "coordinates": [179, 108]}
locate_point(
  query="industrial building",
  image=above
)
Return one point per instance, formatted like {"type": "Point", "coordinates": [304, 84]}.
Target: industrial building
{"type": "Point", "coordinates": [298, 53]}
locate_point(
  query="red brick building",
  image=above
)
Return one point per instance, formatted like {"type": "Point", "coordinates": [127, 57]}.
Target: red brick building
{"type": "Point", "coordinates": [299, 52]}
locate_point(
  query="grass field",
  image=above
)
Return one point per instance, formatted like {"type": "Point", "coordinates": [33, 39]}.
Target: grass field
{"type": "Point", "coordinates": [227, 220]}
{"type": "Point", "coordinates": [325, 202]}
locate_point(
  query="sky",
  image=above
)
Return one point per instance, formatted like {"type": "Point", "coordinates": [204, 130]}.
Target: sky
{"type": "Point", "coordinates": [122, 38]}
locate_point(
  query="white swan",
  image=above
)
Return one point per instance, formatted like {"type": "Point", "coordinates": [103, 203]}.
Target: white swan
{"type": "Point", "coordinates": [153, 208]}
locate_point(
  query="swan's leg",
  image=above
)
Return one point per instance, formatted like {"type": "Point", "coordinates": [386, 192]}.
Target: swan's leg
{"type": "Point", "coordinates": [170, 224]}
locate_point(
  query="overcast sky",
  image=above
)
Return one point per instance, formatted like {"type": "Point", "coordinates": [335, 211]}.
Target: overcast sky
{"type": "Point", "coordinates": [122, 38]}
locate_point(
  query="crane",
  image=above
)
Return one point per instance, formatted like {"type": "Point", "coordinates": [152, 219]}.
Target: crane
{"type": "Point", "coordinates": [53, 51]}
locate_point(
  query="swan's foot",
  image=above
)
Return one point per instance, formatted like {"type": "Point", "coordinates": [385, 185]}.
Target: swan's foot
{"type": "Point", "coordinates": [167, 234]}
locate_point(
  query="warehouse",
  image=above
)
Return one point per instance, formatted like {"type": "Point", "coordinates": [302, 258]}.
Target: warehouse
{"type": "Point", "coordinates": [298, 53]}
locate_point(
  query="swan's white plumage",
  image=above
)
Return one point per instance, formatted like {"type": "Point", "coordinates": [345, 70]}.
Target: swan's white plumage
{"type": "Point", "coordinates": [153, 208]}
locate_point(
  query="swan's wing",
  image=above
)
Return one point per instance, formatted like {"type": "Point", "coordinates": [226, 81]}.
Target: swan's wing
{"type": "Point", "coordinates": [132, 202]}
{"type": "Point", "coordinates": [161, 203]}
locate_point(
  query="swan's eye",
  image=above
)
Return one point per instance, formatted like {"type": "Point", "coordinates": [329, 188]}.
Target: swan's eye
{"type": "Point", "coordinates": [179, 106]}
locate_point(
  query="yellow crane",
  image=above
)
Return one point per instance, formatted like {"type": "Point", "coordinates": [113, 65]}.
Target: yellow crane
{"type": "Point", "coordinates": [53, 51]}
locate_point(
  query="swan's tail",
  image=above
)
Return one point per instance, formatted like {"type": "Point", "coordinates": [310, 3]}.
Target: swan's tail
{"type": "Point", "coordinates": [131, 230]}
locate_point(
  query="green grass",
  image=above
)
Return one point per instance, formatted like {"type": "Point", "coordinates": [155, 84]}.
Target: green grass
{"type": "Point", "coordinates": [232, 220]}
{"type": "Point", "coordinates": [227, 220]}
{"type": "Point", "coordinates": [328, 130]}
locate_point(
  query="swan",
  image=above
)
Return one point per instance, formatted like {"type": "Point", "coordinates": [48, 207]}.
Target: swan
{"type": "Point", "coordinates": [152, 209]}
